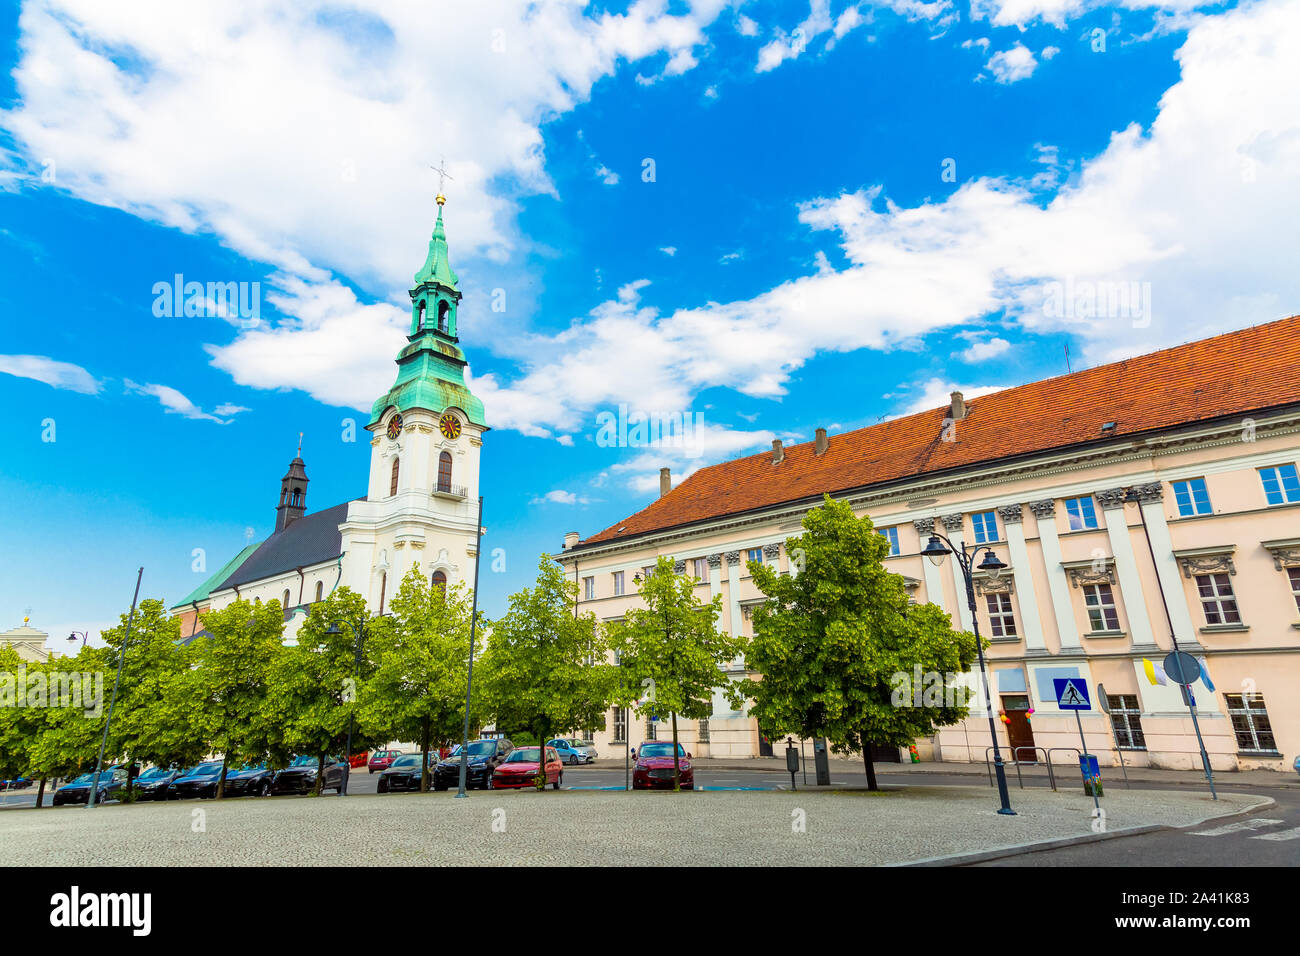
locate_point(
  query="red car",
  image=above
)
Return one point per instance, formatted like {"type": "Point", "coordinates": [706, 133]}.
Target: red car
{"type": "Point", "coordinates": [654, 767]}
{"type": "Point", "coordinates": [520, 769]}
{"type": "Point", "coordinates": [383, 759]}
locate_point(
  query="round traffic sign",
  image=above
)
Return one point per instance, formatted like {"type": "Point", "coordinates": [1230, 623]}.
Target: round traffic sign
{"type": "Point", "coordinates": [1182, 668]}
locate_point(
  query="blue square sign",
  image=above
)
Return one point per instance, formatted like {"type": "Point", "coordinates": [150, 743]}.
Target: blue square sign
{"type": "Point", "coordinates": [1072, 693]}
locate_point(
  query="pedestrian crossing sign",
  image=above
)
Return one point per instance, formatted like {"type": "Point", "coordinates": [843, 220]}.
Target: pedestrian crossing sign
{"type": "Point", "coordinates": [1071, 693]}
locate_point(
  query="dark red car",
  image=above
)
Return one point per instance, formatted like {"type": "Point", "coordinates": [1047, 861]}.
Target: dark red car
{"type": "Point", "coordinates": [654, 766]}
{"type": "Point", "coordinates": [383, 759]}
{"type": "Point", "coordinates": [520, 769]}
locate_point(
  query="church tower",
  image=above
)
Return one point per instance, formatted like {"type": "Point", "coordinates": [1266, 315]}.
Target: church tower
{"type": "Point", "coordinates": [421, 503]}
{"type": "Point", "coordinates": [293, 493]}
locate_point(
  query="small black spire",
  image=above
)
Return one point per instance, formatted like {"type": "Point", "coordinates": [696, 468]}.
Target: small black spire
{"type": "Point", "coordinates": [293, 492]}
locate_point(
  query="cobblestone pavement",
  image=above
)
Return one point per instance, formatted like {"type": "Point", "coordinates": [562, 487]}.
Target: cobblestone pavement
{"type": "Point", "coordinates": [579, 828]}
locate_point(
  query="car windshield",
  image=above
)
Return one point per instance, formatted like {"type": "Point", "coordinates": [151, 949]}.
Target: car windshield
{"type": "Point", "coordinates": [523, 755]}
{"type": "Point", "coordinates": [85, 778]}
{"type": "Point", "coordinates": [303, 762]}
{"type": "Point", "coordinates": [660, 750]}
{"type": "Point", "coordinates": [479, 748]}
{"type": "Point", "coordinates": [251, 768]}
{"type": "Point", "coordinates": [155, 773]}
{"type": "Point", "coordinates": [206, 770]}
{"type": "Point", "coordinates": [408, 760]}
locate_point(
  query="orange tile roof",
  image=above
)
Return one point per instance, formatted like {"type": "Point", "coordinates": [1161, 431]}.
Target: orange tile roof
{"type": "Point", "coordinates": [1235, 373]}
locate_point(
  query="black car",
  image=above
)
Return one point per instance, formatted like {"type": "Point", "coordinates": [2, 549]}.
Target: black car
{"type": "Point", "coordinates": [402, 774]}
{"type": "Point", "coordinates": [201, 781]}
{"type": "Point", "coordinates": [300, 776]}
{"type": "Point", "coordinates": [482, 758]}
{"type": "Point", "coordinates": [250, 780]}
{"type": "Point", "coordinates": [155, 783]}
{"type": "Point", "coordinates": [110, 783]}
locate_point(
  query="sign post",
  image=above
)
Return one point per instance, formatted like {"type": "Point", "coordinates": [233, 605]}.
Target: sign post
{"type": "Point", "coordinates": [1072, 694]}
{"type": "Point", "coordinates": [1184, 670]}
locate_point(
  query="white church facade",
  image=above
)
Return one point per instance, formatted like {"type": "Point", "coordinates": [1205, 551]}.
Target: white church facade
{"type": "Point", "coordinates": [421, 502]}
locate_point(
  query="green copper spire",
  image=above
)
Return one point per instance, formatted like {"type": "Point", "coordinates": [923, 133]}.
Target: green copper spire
{"type": "Point", "coordinates": [431, 368]}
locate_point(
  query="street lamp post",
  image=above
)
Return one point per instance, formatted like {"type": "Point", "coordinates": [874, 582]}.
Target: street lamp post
{"type": "Point", "coordinates": [938, 548]}
{"type": "Point", "coordinates": [469, 678]}
{"type": "Point", "coordinates": [84, 635]}
{"type": "Point", "coordinates": [108, 721]}
{"type": "Point", "coordinates": [359, 633]}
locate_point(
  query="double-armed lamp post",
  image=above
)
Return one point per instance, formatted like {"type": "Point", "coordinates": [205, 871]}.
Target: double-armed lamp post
{"type": "Point", "coordinates": [359, 633]}
{"type": "Point", "coordinates": [938, 548]}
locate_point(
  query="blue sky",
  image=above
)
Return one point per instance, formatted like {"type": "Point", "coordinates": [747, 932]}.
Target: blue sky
{"type": "Point", "coordinates": [854, 208]}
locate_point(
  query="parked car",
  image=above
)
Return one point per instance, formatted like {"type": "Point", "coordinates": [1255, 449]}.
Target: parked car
{"type": "Point", "coordinates": [572, 751]}
{"type": "Point", "coordinates": [654, 766]}
{"type": "Point", "coordinates": [357, 761]}
{"type": "Point", "coordinates": [403, 773]}
{"type": "Point", "coordinates": [482, 759]}
{"type": "Point", "coordinates": [200, 781]}
{"type": "Point", "coordinates": [21, 783]}
{"type": "Point", "coordinates": [520, 769]}
{"type": "Point", "coordinates": [300, 776]}
{"type": "Point", "coordinates": [250, 780]}
{"type": "Point", "coordinates": [383, 759]}
{"type": "Point", "coordinates": [110, 783]}
{"type": "Point", "coordinates": [155, 783]}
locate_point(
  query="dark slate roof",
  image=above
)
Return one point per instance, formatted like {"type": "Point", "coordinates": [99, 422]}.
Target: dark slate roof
{"type": "Point", "coordinates": [187, 641]}
{"type": "Point", "coordinates": [310, 540]}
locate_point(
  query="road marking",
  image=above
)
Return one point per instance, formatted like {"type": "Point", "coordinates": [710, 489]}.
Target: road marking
{"type": "Point", "coordinates": [1237, 827]}
{"type": "Point", "coordinates": [1292, 834]}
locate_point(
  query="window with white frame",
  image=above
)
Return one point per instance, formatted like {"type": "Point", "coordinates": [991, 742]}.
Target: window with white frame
{"type": "Point", "coordinates": [1002, 621]}
{"type": "Point", "coordinates": [1250, 723]}
{"type": "Point", "coordinates": [1126, 719]}
{"type": "Point", "coordinates": [1082, 513]}
{"type": "Point", "coordinates": [1100, 602]}
{"type": "Point", "coordinates": [985, 525]}
{"type": "Point", "coordinates": [1294, 575]}
{"type": "Point", "coordinates": [1217, 599]}
{"type": "Point", "coordinates": [589, 589]}
{"type": "Point", "coordinates": [1281, 484]}
{"type": "Point", "coordinates": [700, 569]}
{"type": "Point", "coordinates": [1193, 497]}
{"type": "Point", "coordinates": [618, 582]}
{"type": "Point", "coordinates": [890, 535]}
{"type": "Point", "coordinates": [620, 724]}
{"type": "Point", "coordinates": [702, 730]}
{"type": "Point", "coordinates": [754, 554]}
{"type": "Point", "coordinates": [650, 726]}
{"type": "Point", "coordinates": [647, 572]}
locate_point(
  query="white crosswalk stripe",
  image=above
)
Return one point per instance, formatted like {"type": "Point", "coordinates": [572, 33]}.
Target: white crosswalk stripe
{"type": "Point", "coordinates": [1237, 827]}
{"type": "Point", "coordinates": [1292, 834]}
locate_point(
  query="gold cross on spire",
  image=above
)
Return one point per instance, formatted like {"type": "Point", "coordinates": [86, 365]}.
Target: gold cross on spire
{"type": "Point", "coordinates": [300, 444]}
{"type": "Point", "coordinates": [443, 176]}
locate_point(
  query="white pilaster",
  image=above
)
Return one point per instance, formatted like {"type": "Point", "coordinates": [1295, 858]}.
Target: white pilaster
{"type": "Point", "coordinates": [953, 525]}
{"type": "Point", "coordinates": [1121, 546]}
{"type": "Point", "coordinates": [929, 573]}
{"type": "Point", "coordinates": [715, 584]}
{"type": "Point", "coordinates": [1022, 573]}
{"type": "Point", "coordinates": [733, 586]}
{"type": "Point", "coordinates": [1153, 510]}
{"type": "Point", "coordinates": [1050, 542]}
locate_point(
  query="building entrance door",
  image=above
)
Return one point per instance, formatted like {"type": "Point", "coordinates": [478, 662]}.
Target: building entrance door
{"type": "Point", "coordinates": [1019, 732]}
{"type": "Point", "coordinates": [764, 745]}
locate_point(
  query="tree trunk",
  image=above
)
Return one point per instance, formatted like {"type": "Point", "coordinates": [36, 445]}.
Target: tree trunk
{"type": "Point", "coordinates": [130, 781]}
{"type": "Point", "coordinates": [320, 775]}
{"type": "Point", "coordinates": [540, 780]}
{"type": "Point", "coordinates": [424, 757]}
{"type": "Point", "coordinates": [40, 794]}
{"type": "Point", "coordinates": [870, 765]}
{"type": "Point", "coordinates": [221, 781]}
{"type": "Point", "coordinates": [677, 770]}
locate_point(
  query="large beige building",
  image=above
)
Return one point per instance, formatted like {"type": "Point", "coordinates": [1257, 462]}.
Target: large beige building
{"type": "Point", "coordinates": [1128, 500]}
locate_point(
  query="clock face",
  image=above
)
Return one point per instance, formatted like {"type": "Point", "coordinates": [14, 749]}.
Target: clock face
{"type": "Point", "coordinates": [394, 426]}
{"type": "Point", "coordinates": [449, 425]}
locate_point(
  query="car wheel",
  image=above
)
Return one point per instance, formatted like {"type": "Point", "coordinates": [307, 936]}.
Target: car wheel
{"type": "Point", "coordinates": [558, 780]}
{"type": "Point", "coordinates": [103, 795]}
{"type": "Point", "coordinates": [487, 782]}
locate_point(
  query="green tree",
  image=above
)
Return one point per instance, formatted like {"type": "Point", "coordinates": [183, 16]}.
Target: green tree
{"type": "Point", "coordinates": [421, 651]}
{"type": "Point", "coordinates": [316, 684]}
{"type": "Point", "coordinates": [832, 640]}
{"type": "Point", "coordinates": [232, 677]}
{"type": "Point", "coordinates": [672, 653]}
{"type": "Point", "coordinates": [65, 741]}
{"type": "Point", "coordinates": [545, 669]}
{"type": "Point", "coordinates": [20, 725]}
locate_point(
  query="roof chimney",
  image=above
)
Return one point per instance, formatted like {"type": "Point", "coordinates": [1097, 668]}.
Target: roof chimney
{"type": "Point", "coordinates": [778, 452]}
{"type": "Point", "coordinates": [570, 540]}
{"type": "Point", "coordinates": [665, 481]}
{"type": "Point", "coordinates": [822, 442]}
{"type": "Point", "coordinates": [958, 409]}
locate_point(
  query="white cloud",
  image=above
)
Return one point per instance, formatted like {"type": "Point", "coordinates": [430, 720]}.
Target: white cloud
{"type": "Point", "coordinates": [981, 350]}
{"type": "Point", "coordinates": [174, 401]}
{"type": "Point", "coordinates": [559, 497]}
{"type": "Point", "coordinates": [668, 250]}
{"type": "Point", "coordinates": [746, 27]}
{"type": "Point", "coordinates": [1049, 52]}
{"type": "Point", "coordinates": [1021, 13]}
{"type": "Point", "coordinates": [58, 374]}
{"type": "Point", "coordinates": [607, 175]}
{"type": "Point", "coordinates": [981, 42]}
{"type": "Point", "coordinates": [936, 393]}
{"type": "Point", "coordinates": [1008, 66]}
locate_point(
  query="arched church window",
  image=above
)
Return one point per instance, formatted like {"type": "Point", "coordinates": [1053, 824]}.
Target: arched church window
{"type": "Point", "coordinates": [383, 587]}
{"type": "Point", "coordinates": [421, 314]}
{"type": "Point", "coordinates": [443, 311]}
{"type": "Point", "coordinates": [440, 581]}
{"type": "Point", "coordinates": [444, 471]}
{"type": "Point", "coordinates": [320, 590]}
{"type": "Point", "coordinates": [285, 604]}
{"type": "Point", "coordinates": [392, 484]}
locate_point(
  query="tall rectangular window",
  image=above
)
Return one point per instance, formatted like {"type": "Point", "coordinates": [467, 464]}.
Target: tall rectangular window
{"type": "Point", "coordinates": [1281, 484]}
{"type": "Point", "coordinates": [700, 569]}
{"type": "Point", "coordinates": [1294, 575]}
{"type": "Point", "coordinates": [618, 582]}
{"type": "Point", "coordinates": [647, 571]}
{"type": "Point", "coordinates": [650, 726]}
{"type": "Point", "coordinates": [1002, 622]}
{"type": "Point", "coordinates": [1217, 599]}
{"type": "Point", "coordinates": [1100, 601]}
{"type": "Point", "coordinates": [620, 724]}
{"type": "Point", "coordinates": [589, 589]}
{"type": "Point", "coordinates": [1126, 719]}
{"type": "Point", "coordinates": [754, 554]}
{"type": "Point", "coordinates": [890, 535]}
{"type": "Point", "coordinates": [1193, 497]}
{"type": "Point", "coordinates": [1081, 512]}
{"type": "Point", "coordinates": [1250, 723]}
{"type": "Point", "coordinates": [985, 524]}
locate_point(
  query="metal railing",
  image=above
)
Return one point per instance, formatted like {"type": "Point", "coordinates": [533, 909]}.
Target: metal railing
{"type": "Point", "coordinates": [451, 491]}
{"type": "Point", "coordinates": [1016, 762]}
